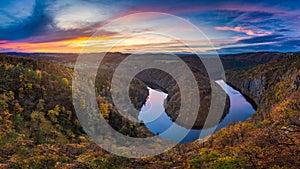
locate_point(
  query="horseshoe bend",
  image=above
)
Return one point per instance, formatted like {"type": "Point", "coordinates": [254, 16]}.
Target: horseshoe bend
{"type": "Point", "coordinates": [41, 93]}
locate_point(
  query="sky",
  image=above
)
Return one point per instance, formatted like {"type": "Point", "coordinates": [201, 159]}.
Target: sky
{"type": "Point", "coordinates": [65, 26]}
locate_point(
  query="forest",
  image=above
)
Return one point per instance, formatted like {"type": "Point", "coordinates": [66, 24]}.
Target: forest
{"type": "Point", "coordinates": [39, 127]}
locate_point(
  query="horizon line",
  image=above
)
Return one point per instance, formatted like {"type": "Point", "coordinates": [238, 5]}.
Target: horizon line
{"type": "Point", "coordinates": [180, 53]}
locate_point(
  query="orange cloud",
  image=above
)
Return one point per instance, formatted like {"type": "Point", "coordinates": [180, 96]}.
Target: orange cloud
{"type": "Point", "coordinates": [63, 46]}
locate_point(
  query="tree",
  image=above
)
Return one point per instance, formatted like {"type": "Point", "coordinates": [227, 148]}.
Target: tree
{"type": "Point", "coordinates": [28, 87]}
{"type": "Point", "coordinates": [104, 110]}
{"type": "Point", "coordinates": [40, 105]}
{"type": "Point", "coordinates": [17, 107]}
{"type": "Point", "coordinates": [53, 114]}
{"type": "Point", "coordinates": [65, 82]}
{"type": "Point", "coordinates": [3, 105]}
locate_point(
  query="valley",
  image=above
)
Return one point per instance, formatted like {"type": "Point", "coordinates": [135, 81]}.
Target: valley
{"type": "Point", "coordinates": [37, 115]}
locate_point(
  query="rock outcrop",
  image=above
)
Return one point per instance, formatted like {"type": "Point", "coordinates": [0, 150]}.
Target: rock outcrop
{"type": "Point", "coordinates": [269, 82]}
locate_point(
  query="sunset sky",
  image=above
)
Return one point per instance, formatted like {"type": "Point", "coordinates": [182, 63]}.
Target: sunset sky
{"type": "Point", "coordinates": [232, 26]}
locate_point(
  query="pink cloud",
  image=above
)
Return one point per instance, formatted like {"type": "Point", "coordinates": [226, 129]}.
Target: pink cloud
{"type": "Point", "coordinates": [244, 30]}
{"type": "Point", "coordinates": [3, 41]}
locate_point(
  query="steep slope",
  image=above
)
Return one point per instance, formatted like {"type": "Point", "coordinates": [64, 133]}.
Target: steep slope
{"type": "Point", "coordinates": [269, 83]}
{"type": "Point", "coordinates": [271, 138]}
{"type": "Point", "coordinates": [38, 125]}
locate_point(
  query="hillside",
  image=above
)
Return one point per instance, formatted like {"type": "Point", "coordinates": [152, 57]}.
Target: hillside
{"type": "Point", "coordinates": [271, 138]}
{"type": "Point", "coordinates": [250, 60]}
{"type": "Point", "coordinates": [37, 116]}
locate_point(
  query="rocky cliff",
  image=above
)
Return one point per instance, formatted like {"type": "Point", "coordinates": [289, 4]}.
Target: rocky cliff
{"type": "Point", "coordinates": [269, 83]}
{"type": "Point", "coordinates": [271, 137]}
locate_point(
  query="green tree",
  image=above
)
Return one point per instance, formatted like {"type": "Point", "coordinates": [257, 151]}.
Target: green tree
{"type": "Point", "coordinates": [28, 87]}
{"type": "Point", "coordinates": [3, 105]}
{"type": "Point", "coordinates": [53, 114]}
{"type": "Point", "coordinates": [40, 105]}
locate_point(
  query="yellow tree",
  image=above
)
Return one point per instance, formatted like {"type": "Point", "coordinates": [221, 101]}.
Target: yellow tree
{"type": "Point", "coordinates": [65, 82]}
{"type": "Point", "coordinates": [104, 110]}
{"type": "Point", "coordinates": [53, 114]}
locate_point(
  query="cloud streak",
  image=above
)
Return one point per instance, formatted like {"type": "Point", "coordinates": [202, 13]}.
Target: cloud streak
{"type": "Point", "coordinates": [244, 30]}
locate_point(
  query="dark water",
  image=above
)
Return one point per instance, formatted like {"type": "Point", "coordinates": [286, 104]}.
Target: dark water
{"type": "Point", "coordinates": [156, 120]}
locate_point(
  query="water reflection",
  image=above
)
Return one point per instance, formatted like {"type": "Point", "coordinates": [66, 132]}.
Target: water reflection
{"type": "Point", "coordinates": [155, 118]}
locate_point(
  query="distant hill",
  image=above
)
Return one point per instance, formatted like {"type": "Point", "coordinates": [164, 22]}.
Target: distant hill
{"type": "Point", "coordinates": [230, 61]}
{"type": "Point", "coordinates": [248, 60]}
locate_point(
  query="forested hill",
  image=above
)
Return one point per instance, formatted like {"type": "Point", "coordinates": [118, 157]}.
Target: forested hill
{"type": "Point", "coordinates": [271, 138]}
{"type": "Point", "coordinates": [38, 125]}
{"type": "Point", "coordinates": [250, 60]}
{"type": "Point", "coordinates": [230, 61]}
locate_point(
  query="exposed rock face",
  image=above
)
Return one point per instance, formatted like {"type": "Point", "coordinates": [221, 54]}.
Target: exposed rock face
{"type": "Point", "coordinates": [256, 87]}
{"type": "Point", "coordinates": [269, 82]}
{"type": "Point", "coordinates": [297, 83]}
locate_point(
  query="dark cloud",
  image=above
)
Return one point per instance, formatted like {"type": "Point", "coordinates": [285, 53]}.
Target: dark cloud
{"type": "Point", "coordinates": [57, 35]}
{"type": "Point", "coordinates": [41, 27]}
{"type": "Point", "coordinates": [283, 46]}
{"type": "Point", "coordinates": [262, 39]}
{"type": "Point", "coordinates": [252, 18]}
{"type": "Point", "coordinates": [291, 43]}
{"type": "Point", "coordinates": [252, 48]}
{"type": "Point", "coordinates": [29, 26]}
{"type": "Point", "coordinates": [283, 30]}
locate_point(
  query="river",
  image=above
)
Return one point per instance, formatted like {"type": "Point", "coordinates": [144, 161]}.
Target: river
{"type": "Point", "coordinates": [158, 122]}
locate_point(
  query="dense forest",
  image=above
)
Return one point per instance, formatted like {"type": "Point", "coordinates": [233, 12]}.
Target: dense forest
{"type": "Point", "coordinates": [39, 128]}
